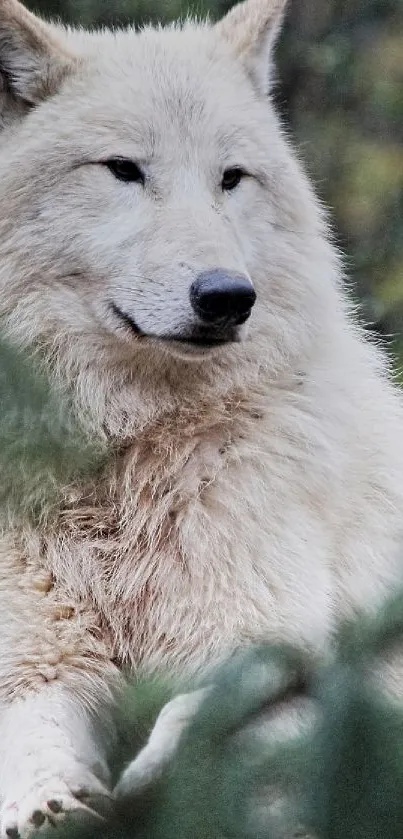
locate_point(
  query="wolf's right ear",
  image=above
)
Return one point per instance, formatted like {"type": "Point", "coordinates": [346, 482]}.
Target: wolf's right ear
{"type": "Point", "coordinates": [252, 28]}
{"type": "Point", "coordinates": [33, 62]}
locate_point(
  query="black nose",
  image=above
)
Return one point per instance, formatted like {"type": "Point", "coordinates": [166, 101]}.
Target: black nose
{"type": "Point", "coordinates": [222, 296]}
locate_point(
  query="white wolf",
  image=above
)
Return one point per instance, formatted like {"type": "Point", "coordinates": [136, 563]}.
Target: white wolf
{"type": "Point", "coordinates": [163, 254]}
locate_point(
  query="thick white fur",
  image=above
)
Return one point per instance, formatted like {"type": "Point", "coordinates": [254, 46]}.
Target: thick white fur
{"type": "Point", "coordinates": [257, 491]}
{"type": "Point", "coordinates": [50, 763]}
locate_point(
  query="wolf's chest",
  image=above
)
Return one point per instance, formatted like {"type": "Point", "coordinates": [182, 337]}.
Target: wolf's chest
{"type": "Point", "coordinates": [233, 550]}
{"type": "Point", "coordinates": [200, 547]}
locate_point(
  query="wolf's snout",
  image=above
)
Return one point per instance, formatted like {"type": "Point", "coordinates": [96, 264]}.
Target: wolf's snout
{"type": "Point", "coordinates": [218, 296]}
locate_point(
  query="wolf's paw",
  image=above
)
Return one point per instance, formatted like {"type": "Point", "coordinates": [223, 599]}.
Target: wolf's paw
{"type": "Point", "coordinates": [162, 745]}
{"type": "Point", "coordinates": [47, 801]}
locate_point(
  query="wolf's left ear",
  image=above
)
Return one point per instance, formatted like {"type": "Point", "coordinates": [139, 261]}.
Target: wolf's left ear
{"type": "Point", "coordinates": [33, 61]}
{"type": "Point", "coordinates": [252, 28]}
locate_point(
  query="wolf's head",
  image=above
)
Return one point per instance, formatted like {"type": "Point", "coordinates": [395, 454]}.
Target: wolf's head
{"type": "Point", "coordinates": [150, 205]}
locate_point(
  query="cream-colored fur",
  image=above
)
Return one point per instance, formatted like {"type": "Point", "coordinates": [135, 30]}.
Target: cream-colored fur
{"type": "Point", "coordinates": [257, 489]}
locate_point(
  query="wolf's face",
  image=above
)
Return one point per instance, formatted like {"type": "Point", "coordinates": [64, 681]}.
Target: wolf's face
{"type": "Point", "coordinates": [154, 202]}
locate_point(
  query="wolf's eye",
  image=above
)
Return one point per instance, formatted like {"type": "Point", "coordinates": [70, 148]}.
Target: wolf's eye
{"type": "Point", "coordinates": [125, 170]}
{"type": "Point", "coordinates": [232, 178]}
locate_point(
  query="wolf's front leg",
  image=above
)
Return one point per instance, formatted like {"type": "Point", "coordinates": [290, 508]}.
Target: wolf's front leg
{"type": "Point", "coordinates": [57, 682]}
{"type": "Point", "coordinates": [162, 743]}
{"type": "Point", "coordinates": [49, 762]}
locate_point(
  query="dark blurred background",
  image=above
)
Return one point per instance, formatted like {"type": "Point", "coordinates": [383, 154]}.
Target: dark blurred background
{"type": "Point", "coordinates": [340, 89]}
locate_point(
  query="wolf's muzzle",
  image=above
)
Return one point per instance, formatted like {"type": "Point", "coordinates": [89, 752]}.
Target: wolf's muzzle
{"type": "Point", "coordinates": [222, 297]}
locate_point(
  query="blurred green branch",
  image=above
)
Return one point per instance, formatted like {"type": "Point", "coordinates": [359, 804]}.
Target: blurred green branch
{"type": "Point", "coordinates": [339, 777]}
{"type": "Point", "coordinates": [42, 448]}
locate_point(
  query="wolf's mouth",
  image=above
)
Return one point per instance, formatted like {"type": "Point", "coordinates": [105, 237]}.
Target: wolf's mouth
{"type": "Point", "coordinates": [127, 320]}
{"type": "Point", "coordinates": [203, 338]}
{"type": "Point", "coordinates": [205, 341]}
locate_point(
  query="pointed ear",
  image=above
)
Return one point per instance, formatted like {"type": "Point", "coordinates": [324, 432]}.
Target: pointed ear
{"type": "Point", "coordinates": [33, 62]}
{"type": "Point", "coordinates": [251, 28]}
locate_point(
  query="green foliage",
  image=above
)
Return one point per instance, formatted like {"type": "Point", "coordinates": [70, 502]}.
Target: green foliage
{"type": "Point", "coordinates": [122, 12]}
{"type": "Point", "coordinates": [42, 449]}
{"type": "Point", "coordinates": [340, 777]}
{"type": "Point", "coordinates": [341, 75]}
